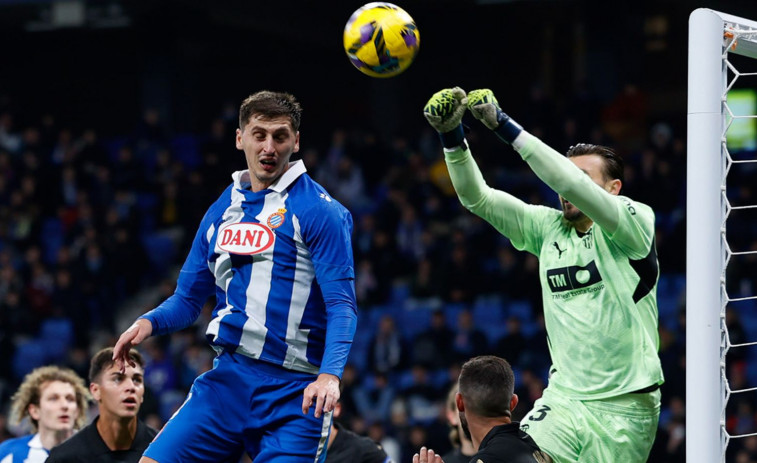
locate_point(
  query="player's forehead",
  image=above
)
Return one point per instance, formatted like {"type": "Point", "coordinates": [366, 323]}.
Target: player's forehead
{"type": "Point", "coordinates": [263, 123]}
{"type": "Point", "coordinates": [114, 371]}
{"type": "Point", "coordinates": [56, 387]}
{"type": "Point", "coordinates": [592, 164]}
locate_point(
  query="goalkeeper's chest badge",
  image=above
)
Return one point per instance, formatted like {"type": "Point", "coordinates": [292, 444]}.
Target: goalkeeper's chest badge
{"type": "Point", "coordinates": [277, 219]}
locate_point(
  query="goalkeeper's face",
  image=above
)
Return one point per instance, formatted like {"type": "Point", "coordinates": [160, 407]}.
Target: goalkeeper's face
{"type": "Point", "coordinates": [268, 143]}
{"type": "Point", "coordinates": [592, 165]}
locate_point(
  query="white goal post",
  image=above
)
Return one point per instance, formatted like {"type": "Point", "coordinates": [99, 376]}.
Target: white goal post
{"type": "Point", "coordinates": [712, 37]}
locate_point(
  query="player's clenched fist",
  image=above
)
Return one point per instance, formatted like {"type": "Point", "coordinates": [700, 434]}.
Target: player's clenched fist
{"type": "Point", "coordinates": [444, 111]}
{"type": "Point", "coordinates": [325, 391]}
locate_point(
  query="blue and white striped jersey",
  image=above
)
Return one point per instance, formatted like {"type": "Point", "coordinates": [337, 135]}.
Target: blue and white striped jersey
{"type": "Point", "coordinates": [25, 449]}
{"type": "Point", "coordinates": [280, 262]}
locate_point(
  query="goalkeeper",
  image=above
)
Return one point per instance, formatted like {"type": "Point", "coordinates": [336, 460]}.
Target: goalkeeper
{"type": "Point", "coordinates": [598, 269]}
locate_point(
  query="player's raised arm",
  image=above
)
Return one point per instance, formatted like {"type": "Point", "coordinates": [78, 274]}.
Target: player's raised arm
{"type": "Point", "coordinates": [444, 112]}
{"type": "Point", "coordinates": [551, 167]}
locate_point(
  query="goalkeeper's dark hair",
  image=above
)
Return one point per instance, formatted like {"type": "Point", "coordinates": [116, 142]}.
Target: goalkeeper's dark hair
{"type": "Point", "coordinates": [614, 166]}
{"type": "Point", "coordinates": [487, 384]}
{"type": "Point", "coordinates": [270, 105]}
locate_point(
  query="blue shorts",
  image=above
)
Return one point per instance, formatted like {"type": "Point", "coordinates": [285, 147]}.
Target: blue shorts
{"type": "Point", "coordinates": [242, 405]}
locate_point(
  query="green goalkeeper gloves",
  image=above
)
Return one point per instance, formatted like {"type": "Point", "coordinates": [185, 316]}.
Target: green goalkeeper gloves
{"type": "Point", "coordinates": [444, 112]}
{"type": "Point", "coordinates": [484, 107]}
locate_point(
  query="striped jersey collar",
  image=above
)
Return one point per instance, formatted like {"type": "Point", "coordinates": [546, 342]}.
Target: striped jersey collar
{"type": "Point", "coordinates": [242, 177]}
{"type": "Point", "coordinates": [36, 442]}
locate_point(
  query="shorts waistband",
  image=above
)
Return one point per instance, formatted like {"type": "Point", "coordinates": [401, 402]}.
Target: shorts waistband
{"type": "Point", "coordinates": [262, 366]}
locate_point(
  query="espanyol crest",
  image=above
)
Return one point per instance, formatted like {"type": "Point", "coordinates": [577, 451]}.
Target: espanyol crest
{"type": "Point", "coordinates": [245, 238]}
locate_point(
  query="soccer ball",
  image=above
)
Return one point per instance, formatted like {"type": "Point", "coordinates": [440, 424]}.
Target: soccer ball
{"type": "Point", "coordinates": [381, 39]}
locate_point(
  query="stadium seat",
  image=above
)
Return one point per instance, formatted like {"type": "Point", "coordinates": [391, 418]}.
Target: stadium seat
{"type": "Point", "coordinates": [186, 149]}
{"type": "Point", "coordinates": [57, 335]}
{"type": "Point", "coordinates": [489, 317]}
{"type": "Point", "coordinates": [521, 309]}
{"type": "Point", "coordinates": [28, 356]}
{"type": "Point", "coordinates": [413, 322]}
{"type": "Point", "coordinates": [160, 250]}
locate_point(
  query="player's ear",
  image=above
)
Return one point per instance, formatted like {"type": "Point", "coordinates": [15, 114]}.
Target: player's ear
{"type": "Point", "coordinates": [459, 402]}
{"type": "Point", "coordinates": [238, 139]}
{"type": "Point", "coordinates": [94, 389]}
{"type": "Point", "coordinates": [613, 186]}
{"type": "Point", "coordinates": [296, 142]}
{"type": "Point", "coordinates": [513, 402]}
{"type": "Point", "coordinates": [33, 410]}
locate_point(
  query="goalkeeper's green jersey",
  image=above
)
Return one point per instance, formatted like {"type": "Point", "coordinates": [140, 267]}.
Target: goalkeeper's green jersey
{"type": "Point", "coordinates": [599, 288]}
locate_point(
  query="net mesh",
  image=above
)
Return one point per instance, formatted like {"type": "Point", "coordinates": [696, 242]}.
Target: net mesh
{"type": "Point", "coordinates": [738, 314]}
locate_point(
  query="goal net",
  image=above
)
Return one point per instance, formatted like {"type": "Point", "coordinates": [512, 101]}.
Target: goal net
{"type": "Point", "coordinates": [721, 241]}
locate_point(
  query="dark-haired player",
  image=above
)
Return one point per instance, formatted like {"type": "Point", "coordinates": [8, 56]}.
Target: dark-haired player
{"type": "Point", "coordinates": [598, 270]}
{"type": "Point", "coordinates": [275, 249]}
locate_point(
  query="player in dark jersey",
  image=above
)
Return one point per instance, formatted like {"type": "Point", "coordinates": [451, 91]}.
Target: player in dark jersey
{"type": "Point", "coordinates": [116, 435]}
{"type": "Point", "coordinates": [485, 400]}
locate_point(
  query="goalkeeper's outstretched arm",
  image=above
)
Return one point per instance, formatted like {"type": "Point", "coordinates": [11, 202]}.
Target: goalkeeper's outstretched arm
{"type": "Point", "coordinates": [551, 167]}
{"type": "Point", "coordinates": [444, 112]}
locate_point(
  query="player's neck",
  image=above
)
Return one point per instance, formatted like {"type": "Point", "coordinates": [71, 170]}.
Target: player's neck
{"type": "Point", "coordinates": [50, 437]}
{"type": "Point", "coordinates": [466, 447]}
{"type": "Point", "coordinates": [479, 427]}
{"type": "Point", "coordinates": [117, 433]}
{"type": "Point", "coordinates": [583, 225]}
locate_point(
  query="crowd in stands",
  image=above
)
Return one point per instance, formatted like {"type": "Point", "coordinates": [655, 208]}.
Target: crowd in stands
{"type": "Point", "coordinates": [86, 223]}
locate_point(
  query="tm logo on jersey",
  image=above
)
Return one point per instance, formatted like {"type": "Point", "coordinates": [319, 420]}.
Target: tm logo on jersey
{"type": "Point", "coordinates": [573, 277]}
{"type": "Point", "coordinates": [245, 238]}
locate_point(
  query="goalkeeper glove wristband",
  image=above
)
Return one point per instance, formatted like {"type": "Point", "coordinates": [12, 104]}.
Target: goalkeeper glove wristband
{"type": "Point", "coordinates": [507, 129]}
{"type": "Point", "coordinates": [484, 107]}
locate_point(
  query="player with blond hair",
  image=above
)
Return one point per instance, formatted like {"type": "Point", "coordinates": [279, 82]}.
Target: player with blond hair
{"type": "Point", "coordinates": [55, 401]}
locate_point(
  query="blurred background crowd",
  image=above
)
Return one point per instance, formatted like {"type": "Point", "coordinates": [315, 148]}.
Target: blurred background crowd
{"type": "Point", "coordinates": [103, 186]}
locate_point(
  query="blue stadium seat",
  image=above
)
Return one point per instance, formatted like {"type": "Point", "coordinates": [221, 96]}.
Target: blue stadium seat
{"type": "Point", "coordinates": [413, 322]}
{"type": "Point", "coordinates": [489, 317]}
{"type": "Point", "coordinates": [186, 148]}
{"type": "Point", "coordinates": [160, 249]}
{"type": "Point", "coordinates": [28, 356]}
{"type": "Point", "coordinates": [57, 335]}
{"type": "Point", "coordinates": [399, 294]}
{"type": "Point", "coordinates": [520, 309]}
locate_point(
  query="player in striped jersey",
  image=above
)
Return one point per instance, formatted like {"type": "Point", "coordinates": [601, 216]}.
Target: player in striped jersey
{"type": "Point", "coordinates": [598, 268]}
{"type": "Point", "coordinates": [55, 400]}
{"type": "Point", "coordinates": [275, 250]}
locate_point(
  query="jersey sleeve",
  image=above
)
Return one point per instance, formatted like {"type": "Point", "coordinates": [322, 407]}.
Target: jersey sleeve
{"type": "Point", "coordinates": [615, 214]}
{"type": "Point", "coordinates": [327, 231]}
{"type": "Point", "coordinates": [502, 210]}
{"type": "Point", "coordinates": [195, 284]}
{"type": "Point", "coordinates": [636, 228]}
